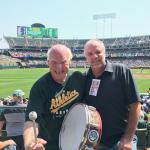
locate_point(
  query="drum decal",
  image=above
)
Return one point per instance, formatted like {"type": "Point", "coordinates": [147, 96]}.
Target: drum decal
{"type": "Point", "coordinates": [93, 136]}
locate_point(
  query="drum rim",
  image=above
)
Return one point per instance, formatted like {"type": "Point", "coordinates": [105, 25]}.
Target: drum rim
{"type": "Point", "coordinates": [65, 117]}
{"type": "Point", "coordinates": [84, 139]}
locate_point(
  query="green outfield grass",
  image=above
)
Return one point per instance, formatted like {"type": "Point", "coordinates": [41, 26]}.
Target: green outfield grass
{"type": "Point", "coordinates": [24, 79]}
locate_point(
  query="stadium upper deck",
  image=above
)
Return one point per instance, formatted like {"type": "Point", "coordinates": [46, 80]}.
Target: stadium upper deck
{"type": "Point", "coordinates": [77, 44]}
{"type": "Point", "coordinates": [133, 51]}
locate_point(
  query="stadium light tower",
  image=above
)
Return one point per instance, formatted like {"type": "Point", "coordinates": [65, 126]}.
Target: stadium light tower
{"type": "Point", "coordinates": [96, 17]}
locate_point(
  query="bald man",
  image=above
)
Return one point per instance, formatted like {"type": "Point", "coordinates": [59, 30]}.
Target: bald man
{"type": "Point", "coordinates": [51, 97]}
{"type": "Point", "coordinates": [110, 88]}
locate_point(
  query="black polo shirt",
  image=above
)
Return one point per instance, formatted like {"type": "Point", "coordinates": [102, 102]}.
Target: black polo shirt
{"type": "Point", "coordinates": [116, 91]}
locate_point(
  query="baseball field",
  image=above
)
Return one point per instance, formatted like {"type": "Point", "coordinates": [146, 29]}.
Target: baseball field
{"type": "Point", "coordinates": [11, 80]}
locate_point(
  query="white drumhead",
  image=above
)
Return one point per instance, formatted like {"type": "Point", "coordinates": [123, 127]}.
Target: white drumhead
{"type": "Point", "coordinates": [73, 128]}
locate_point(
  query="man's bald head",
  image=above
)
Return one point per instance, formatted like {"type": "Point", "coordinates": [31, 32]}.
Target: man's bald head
{"type": "Point", "coordinates": [94, 44]}
{"type": "Point", "coordinates": [59, 59]}
{"type": "Point", "coordinates": [60, 51]}
{"type": "Point", "coordinates": [94, 51]}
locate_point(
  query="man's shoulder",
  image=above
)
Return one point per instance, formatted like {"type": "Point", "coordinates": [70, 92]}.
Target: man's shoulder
{"type": "Point", "coordinates": [43, 79]}
{"type": "Point", "coordinates": [119, 67]}
{"type": "Point", "coordinates": [76, 74]}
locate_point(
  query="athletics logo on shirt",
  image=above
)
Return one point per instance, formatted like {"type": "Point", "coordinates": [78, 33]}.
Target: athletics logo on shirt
{"type": "Point", "coordinates": [62, 100]}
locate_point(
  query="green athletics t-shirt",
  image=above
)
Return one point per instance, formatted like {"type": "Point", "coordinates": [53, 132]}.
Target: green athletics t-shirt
{"type": "Point", "coordinates": [52, 101]}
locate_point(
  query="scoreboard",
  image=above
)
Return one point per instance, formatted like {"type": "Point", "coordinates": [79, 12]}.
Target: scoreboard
{"type": "Point", "coordinates": [37, 32]}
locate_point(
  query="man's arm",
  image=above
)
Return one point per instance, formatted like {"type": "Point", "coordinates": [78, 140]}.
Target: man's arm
{"type": "Point", "coordinates": [1, 126]}
{"type": "Point", "coordinates": [134, 114]}
{"type": "Point", "coordinates": [6, 143]}
{"type": "Point", "coordinates": [28, 133]}
{"type": "Point", "coordinates": [29, 137]}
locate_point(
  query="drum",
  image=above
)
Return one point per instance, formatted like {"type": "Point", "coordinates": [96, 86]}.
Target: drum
{"type": "Point", "coordinates": [81, 128]}
{"type": "Point", "coordinates": [10, 147]}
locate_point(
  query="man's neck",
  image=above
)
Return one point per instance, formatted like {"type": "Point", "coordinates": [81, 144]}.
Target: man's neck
{"type": "Point", "coordinates": [61, 81]}
{"type": "Point", "coordinates": [98, 71]}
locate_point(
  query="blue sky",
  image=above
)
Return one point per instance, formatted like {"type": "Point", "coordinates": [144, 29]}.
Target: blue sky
{"type": "Point", "coordinates": [74, 18]}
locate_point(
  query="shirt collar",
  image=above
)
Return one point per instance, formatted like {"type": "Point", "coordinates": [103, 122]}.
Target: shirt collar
{"type": "Point", "coordinates": [108, 68]}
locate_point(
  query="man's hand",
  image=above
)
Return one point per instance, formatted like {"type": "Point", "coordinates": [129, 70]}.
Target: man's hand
{"type": "Point", "coordinates": [39, 145]}
{"type": "Point", "coordinates": [125, 144]}
{"type": "Point", "coordinates": [10, 142]}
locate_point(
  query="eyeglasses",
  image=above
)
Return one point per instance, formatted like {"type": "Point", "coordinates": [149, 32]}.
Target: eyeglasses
{"type": "Point", "coordinates": [66, 62]}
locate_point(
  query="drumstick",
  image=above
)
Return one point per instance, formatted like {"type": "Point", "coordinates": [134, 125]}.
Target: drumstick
{"type": "Point", "coordinates": [33, 117]}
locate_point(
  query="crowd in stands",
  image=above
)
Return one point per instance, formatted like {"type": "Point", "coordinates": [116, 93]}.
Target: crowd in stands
{"type": "Point", "coordinates": [133, 63]}
{"type": "Point", "coordinates": [145, 111]}
{"type": "Point", "coordinates": [9, 99]}
{"type": "Point", "coordinates": [132, 51]}
{"type": "Point", "coordinates": [27, 54]}
{"type": "Point", "coordinates": [7, 61]}
{"type": "Point", "coordinates": [37, 63]}
{"type": "Point", "coordinates": [12, 118]}
{"type": "Point", "coordinates": [143, 127]}
{"type": "Point", "coordinates": [128, 42]}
